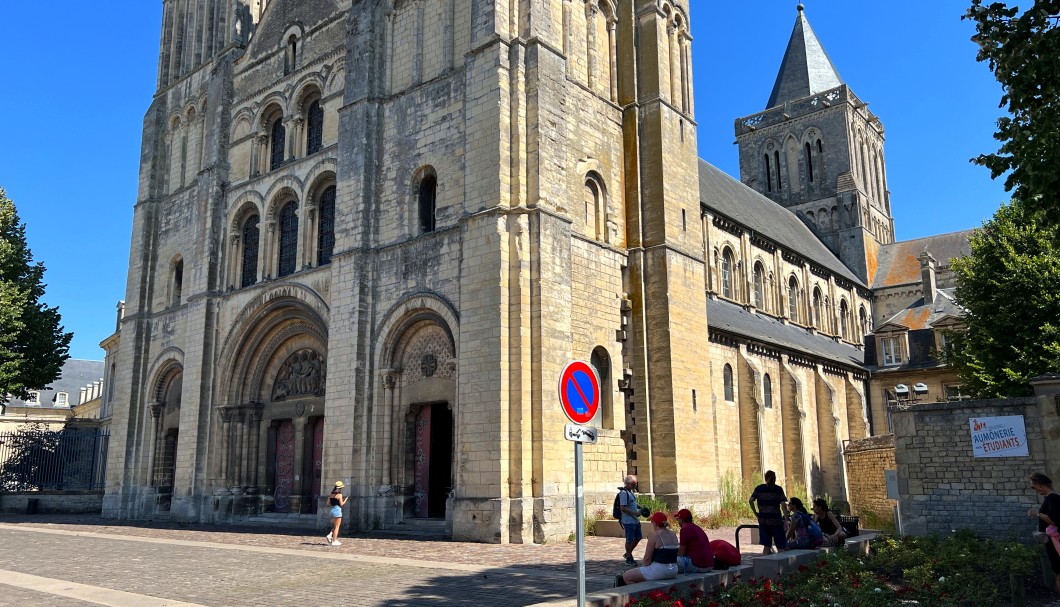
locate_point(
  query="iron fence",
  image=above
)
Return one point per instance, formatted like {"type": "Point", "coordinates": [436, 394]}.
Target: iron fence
{"type": "Point", "coordinates": [35, 458]}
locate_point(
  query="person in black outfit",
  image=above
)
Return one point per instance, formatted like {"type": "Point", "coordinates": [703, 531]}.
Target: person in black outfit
{"type": "Point", "coordinates": [771, 503]}
{"type": "Point", "coordinates": [1047, 514]}
{"type": "Point", "coordinates": [834, 535]}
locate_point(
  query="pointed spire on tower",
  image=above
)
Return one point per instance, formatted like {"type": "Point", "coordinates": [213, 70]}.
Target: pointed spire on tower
{"type": "Point", "coordinates": [806, 68]}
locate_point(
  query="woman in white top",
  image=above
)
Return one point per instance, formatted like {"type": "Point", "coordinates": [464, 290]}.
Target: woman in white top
{"type": "Point", "coordinates": [660, 555]}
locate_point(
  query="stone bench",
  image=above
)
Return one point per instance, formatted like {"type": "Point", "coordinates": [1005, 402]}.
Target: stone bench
{"type": "Point", "coordinates": [684, 584]}
{"type": "Point", "coordinates": [773, 566]}
{"type": "Point", "coordinates": [613, 528]}
{"type": "Point", "coordinates": [859, 544]}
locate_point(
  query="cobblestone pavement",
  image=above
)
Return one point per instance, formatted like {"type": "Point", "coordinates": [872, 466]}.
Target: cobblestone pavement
{"type": "Point", "coordinates": [225, 565]}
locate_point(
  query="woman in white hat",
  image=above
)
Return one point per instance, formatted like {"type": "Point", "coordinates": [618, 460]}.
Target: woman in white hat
{"type": "Point", "coordinates": [336, 500]}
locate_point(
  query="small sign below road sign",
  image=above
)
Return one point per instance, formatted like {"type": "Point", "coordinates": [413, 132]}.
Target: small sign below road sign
{"type": "Point", "coordinates": [580, 434]}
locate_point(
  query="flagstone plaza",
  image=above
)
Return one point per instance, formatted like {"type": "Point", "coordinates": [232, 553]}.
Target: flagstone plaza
{"type": "Point", "coordinates": [67, 560]}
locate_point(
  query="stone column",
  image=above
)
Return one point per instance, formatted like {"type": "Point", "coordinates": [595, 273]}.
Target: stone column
{"type": "Point", "coordinates": [226, 445]}
{"type": "Point", "coordinates": [387, 437]}
{"type": "Point", "coordinates": [255, 411]}
{"type": "Point", "coordinates": [156, 421]}
{"type": "Point", "coordinates": [612, 53]}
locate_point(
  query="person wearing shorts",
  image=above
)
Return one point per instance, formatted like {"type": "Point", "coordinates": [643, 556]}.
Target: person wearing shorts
{"type": "Point", "coordinates": [336, 501]}
{"type": "Point", "coordinates": [771, 502]}
{"type": "Point", "coordinates": [627, 502]}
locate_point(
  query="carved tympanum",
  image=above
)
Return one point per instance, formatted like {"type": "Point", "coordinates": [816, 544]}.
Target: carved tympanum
{"type": "Point", "coordinates": [302, 374]}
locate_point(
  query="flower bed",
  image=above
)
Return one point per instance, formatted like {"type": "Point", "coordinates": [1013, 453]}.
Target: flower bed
{"type": "Point", "coordinates": [957, 571]}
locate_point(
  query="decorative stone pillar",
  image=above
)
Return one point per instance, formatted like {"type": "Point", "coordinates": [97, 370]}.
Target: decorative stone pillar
{"type": "Point", "coordinates": [612, 54]}
{"type": "Point", "coordinates": [226, 444]}
{"type": "Point", "coordinates": [254, 415]}
{"type": "Point", "coordinates": [156, 422]}
{"type": "Point", "coordinates": [387, 440]}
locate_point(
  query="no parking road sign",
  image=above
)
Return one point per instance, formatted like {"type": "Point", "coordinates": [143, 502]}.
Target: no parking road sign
{"type": "Point", "coordinates": [579, 392]}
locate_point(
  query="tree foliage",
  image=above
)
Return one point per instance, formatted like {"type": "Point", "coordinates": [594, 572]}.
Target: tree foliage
{"type": "Point", "coordinates": [33, 345]}
{"type": "Point", "coordinates": [1023, 51]}
{"type": "Point", "coordinates": [1010, 287]}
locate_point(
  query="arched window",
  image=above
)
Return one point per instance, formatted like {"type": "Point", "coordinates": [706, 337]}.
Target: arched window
{"type": "Point", "coordinates": [820, 147]}
{"type": "Point", "coordinates": [291, 62]}
{"type": "Point", "coordinates": [428, 188]}
{"type": "Point", "coordinates": [767, 391]}
{"type": "Point", "coordinates": [844, 310]}
{"type": "Point", "coordinates": [314, 132]}
{"type": "Point", "coordinates": [592, 207]}
{"type": "Point", "coordinates": [601, 362]}
{"type": "Point", "coordinates": [776, 163]}
{"type": "Point", "coordinates": [288, 239]}
{"type": "Point", "coordinates": [249, 272]}
{"type": "Point", "coordinates": [817, 320]}
{"type": "Point", "coordinates": [726, 374]}
{"type": "Point", "coordinates": [793, 299]}
{"type": "Point", "coordinates": [326, 226]}
{"type": "Point", "coordinates": [769, 175]}
{"type": "Point", "coordinates": [760, 285]}
{"type": "Point", "coordinates": [727, 265]}
{"type": "Point", "coordinates": [178, 282]}
{"type": "Point", "coordinates": [809, 162]}
{"type": "Point", "coordinates": [277, 142]}
{"type": "Point", "coordinates": [863, 321]}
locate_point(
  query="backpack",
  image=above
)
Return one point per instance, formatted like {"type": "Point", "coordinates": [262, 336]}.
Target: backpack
{"type": "Point", "coordinates": [816, 535]}
{"type": "Point", "coordinates": [616, 508]}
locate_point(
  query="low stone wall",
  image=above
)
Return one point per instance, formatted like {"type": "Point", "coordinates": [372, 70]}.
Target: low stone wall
{"type": "Point", "coordinates": [52, 502]}
{"type": "Point", "coordinates": [943, 487]}
{"type": "Point", "coordinates": [866, 460]}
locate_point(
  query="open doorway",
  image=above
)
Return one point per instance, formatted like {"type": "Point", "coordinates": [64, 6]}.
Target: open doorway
{"type": "Point", "coordinates": [433, 459]}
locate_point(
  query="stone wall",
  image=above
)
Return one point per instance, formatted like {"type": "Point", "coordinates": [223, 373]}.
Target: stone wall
{"type": "Point", "coordinates": [866, 461]}
{"type": "Point", "coordinates": [941, 485]}
{"type": "Point", "coordinates": [66, 502]}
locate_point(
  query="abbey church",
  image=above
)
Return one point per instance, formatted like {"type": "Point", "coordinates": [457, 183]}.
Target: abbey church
{"type": "Point", "coordinates": [370, 234]}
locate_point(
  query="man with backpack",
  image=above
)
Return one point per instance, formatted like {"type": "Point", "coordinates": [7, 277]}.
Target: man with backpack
{"type": "Point", "coordinates": [628, 513]}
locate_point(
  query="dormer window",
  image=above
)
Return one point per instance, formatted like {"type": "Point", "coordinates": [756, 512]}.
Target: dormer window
{"type": "Point", "coordinates": [62, 399]}
{"type": "Point", "coordinates": [892, 350]}
{"type": "Point", "coordinates": [34, 398]}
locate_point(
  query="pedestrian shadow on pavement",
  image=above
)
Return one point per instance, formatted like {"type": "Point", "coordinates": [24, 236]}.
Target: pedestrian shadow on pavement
{"type": "Point", "coordinates": [505, 587]}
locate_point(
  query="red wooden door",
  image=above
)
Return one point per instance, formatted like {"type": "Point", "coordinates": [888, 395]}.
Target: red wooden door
{"type": "Point", "coordinates": [315, 487]}
{"type": "Point", "coordinates": [423, 460]}
{"type": "Point", "coordinates": [284, 466]}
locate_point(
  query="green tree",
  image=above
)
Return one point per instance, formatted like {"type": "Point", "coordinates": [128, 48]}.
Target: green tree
{"type": "Point", "coordinates": [1023, 51]}
{"type": "Point", "coordinates": [33, 345]}
{"type": "Point", "coordinates": [1010, 287]}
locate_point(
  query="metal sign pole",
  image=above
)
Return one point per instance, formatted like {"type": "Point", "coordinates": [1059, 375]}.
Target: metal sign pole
{"type": "Point", "coordinates": [579, 521]}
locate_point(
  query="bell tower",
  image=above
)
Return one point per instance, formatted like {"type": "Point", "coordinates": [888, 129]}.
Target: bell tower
{"type": "Point", "coordinates": [818, 150]}
{"type": "Point", "coordinates": [194, 31]}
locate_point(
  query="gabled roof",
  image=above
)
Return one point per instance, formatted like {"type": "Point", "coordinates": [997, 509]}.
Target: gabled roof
{"type": "Point", "coordinates": [729, 317]}
{"type": "Point", "coordinates": [898, 263]}
{"type": "Point", "coordinates": [734, 200]}
{"type": "Point", "coordinates": [806, 69]}
{"type": "Point", "coordinates": [920, 316]}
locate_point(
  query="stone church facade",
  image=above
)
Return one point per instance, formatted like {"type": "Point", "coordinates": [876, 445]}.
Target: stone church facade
{"type": "Point", "coordinates": [370, 234]}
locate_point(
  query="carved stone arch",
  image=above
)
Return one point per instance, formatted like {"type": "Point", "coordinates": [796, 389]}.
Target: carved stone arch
{"type": "Point", "coordinates": [273, 106]}
{"type": "Point", "coordinates": [310, 87]}
{"type": "Point", "coordinates": [247, 204]}
{"type": "Point", "coordinates": [609, 9]}
{"type": "Point", "coordinates": [281, 192]}
{"type": "Point", "coordinates": [295, 29]}
{"type": "Point", "coordinates": [334, 78]}
{"type": "Point", "coordinates": [409, 311]}
{"type": "Point", "coordinates": [169, 362]}
{"type": "Point", "coordinates": [276, 324]}
{"type": "Point", "coordinates": [242, 124]}
{"type": "Point", "coordinates": [174, 122]}
{"type": "Point", "coordinates": [319, 177]}
{"type": "Point", "coordinates": [190, 114]}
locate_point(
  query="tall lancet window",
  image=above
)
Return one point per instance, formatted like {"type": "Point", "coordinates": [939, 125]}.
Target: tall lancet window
{"type": "Point", "coordinates": [249, 270]}
{"type": "Point", "coordinates": [314, 128]}
{"type": "Point", "coordinates": [326, 232]}
{"type": "Point", "coordinates": [427, 202]}
{"type": "Point", "coordinates": [277, 143]}
{"type": "Point", "coordinates": [288, 239]}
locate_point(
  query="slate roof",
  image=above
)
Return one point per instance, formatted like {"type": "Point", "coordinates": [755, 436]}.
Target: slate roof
{"type": "Point", "coordinates": [76, 374]}
{"type": "Point", "coordinates": [727, 316]}
{"type": "Point", "coordinates": [806, 69]}
{"type": "Point", "coordinates": [897, 263]}
{"type": "Point", "coordinates": [727, 196]}
{"type": "Point", "coordinates": [919, 316]}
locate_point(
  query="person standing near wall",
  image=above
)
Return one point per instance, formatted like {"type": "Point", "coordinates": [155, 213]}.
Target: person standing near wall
{"type": "Point", "coordinates": [771, 501]}
{"type": "Point", "coordinates": [627, 502]}
{"type": "Point", "coordinates": [336, 501]}
{"type": "Point", "coordinates": [1047, 514]}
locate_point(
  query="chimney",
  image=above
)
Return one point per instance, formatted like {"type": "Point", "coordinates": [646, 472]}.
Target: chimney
{"type": "Point", "coordinates": [927, 277]}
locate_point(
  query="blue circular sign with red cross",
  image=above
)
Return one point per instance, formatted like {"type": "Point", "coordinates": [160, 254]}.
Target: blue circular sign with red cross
{"type": "Point", "coordinates": [579, 392]}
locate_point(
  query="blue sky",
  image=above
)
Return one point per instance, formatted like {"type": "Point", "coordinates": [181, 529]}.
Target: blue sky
{"type": "Point", "coordinates": [77, 89]}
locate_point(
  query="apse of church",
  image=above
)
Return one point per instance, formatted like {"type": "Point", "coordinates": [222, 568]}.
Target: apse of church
{"type": "Point", "coordinates": [369, 236]}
